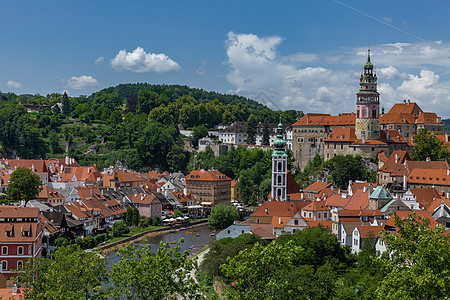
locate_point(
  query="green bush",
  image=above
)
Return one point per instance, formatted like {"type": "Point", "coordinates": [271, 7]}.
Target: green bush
{"type": "Point", "coordinates": [119, 228]}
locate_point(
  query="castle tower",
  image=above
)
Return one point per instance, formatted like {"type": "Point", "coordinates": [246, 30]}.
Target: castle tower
{"type": "Point", "coordinates": [279, 166]}
{"type": "Point", "coordinates": [367, 125]}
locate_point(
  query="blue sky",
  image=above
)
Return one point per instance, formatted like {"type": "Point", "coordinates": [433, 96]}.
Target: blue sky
{"type": "Point", "coordinates": [303, 55]}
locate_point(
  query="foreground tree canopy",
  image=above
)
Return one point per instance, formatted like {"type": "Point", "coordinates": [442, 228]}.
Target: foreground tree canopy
{"type": "Point", "coordinates": [427, 145]}
{"type": "Point", "coordinates": [24, 185]}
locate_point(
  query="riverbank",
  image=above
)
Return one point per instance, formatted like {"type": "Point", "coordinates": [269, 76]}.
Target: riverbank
{"type": "Point", "coordinates": [143, 235]}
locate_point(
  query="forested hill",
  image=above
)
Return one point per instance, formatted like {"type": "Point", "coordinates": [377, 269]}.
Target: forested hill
{"type": "Point", "coordinates": [173, 92]}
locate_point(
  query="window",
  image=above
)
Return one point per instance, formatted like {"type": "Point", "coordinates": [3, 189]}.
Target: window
{"type": "Point", "coordinates": [19, 264]}
{"type": "Point", "coordinates": [295, 222]}
{"type": "Point", "coordinates": [355, 242]}
{"type": "Point", "coordinates": [20, 250]}
{"type": "Point", "coordinates": [4, 265]}
{"type": "Point", "coordinates": [4, 250]}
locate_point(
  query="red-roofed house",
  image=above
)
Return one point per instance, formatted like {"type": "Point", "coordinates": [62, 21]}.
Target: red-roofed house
{"type": "Point", "coordinates": [364, 234]}
{"type": "Point", "coordinates": [20, 237]}
{"type": "Point", "coordinates": [210, 187]}
{"type": "Point", "coordinates": [312, 191]}
{"type": "Point", "coordinates": [148, 205]}
{"type": "Point", "coordinates": [316, 211]}
{"type": "Point", "coordinates": [48, 195]}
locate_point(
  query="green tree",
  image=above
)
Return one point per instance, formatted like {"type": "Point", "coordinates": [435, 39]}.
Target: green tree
{"type": "Point", "coordinates": [265, 135]}
{"type": "Point", "coordinates": [135, 216]}
{"type": "Point", "coordinates": [256, 273]}
{"type": "Point", "coordinates": [65, 105]}
{"type": "Point", "coordinates": [346, 168]}
{"type": "Point", "coordinates": [177, 213]}
{"type": "Point", "coordinates": [142, 274]}
{"type": "Point", "coordinates": [70, 273]}
{"type": "Point", "coordinates": [129, 216]}
{"type": "Point", "coordinates": [419, 267]}
{"type": "Point", "coordinates": [119, 228]}
{"type": "Point", "coordinates": [252, 127]}
{"type": "Point", "coordinates": [223, 216]}
{"type": "Point", "coordinates": [427, 145]}
{"type": "Point", "coordinates": [54, 142]}
{"type": "Point", "coordinates": [198, 133]}
{"type": "Point", "coordinates": [24, 185]}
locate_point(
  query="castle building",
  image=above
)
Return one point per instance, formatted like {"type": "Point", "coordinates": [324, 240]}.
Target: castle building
{"type": "Point", "coordinates": [279, 167]}
{"type": "Point", "coordinates": [367, 124]}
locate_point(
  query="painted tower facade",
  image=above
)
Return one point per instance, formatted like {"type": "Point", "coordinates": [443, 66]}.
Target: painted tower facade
{"type": "Point", "coordinates": [279, 167]}
{"type": "Point", "coordinates": [367, 125]}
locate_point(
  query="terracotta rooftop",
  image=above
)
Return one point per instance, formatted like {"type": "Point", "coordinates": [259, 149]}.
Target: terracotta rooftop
{"type": "Point", "coordinates": [369, 231]}
{"type": "Point", "coordinates": [404, 214]}
{"type": "Point", "coordinates": [342, 135]}
{"type": "Point", "coordinates": [316, 186]}
{"type": "Point", "coordinates": [202, 175]}
{"type": "Point", "coordinates": [425, 197]}
{"type": "Point", "coordinates": [311, 223]}
{"type": "Point", "coordinates": [395, 162]}
{"type": "Point", "coordinates": [437, 177]}
{"type": "Point", "coordinates": [278, 209]}
{"type": "Point", "coordinates": [47, 193]}
{"type": "Point", "coordinates": [359, 200]}
{"type": "Point", "coordinates": [337, 201]}
{"type": "Point", "coordinates": [316, 206]}
{"type": "Point", "coordinates": [429, 118]}
{"type": "Point", "coordinates": [406, 107]}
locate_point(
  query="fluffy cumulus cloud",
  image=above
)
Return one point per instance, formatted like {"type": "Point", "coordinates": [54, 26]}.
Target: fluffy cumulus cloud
{"type": "Point", "coordinates": [14, 84]}
{"type": "Point", "coordinates": [256, 69]}
{"type": "Point", "coordinates": [139, 61]}
{"type": "Point", "coordinates": [81, 82]}
{"type": "Point", "coordinates": [308, 82]}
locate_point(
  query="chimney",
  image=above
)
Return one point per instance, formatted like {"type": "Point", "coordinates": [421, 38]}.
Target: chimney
{"type": "Point", "coordinates": [158, 190]}
{"type": "Point", "coordinates": [89, 170]}
{"type": "Point", "coordinates": [396, 158]}
{"type": "Point", "coordinates": [279, 221]}
{"type": "Point", "coordinates": [301, 195]}
{"type": "Point", "coordinates": [448, 172]}
{"type": "Point", "coordinates": [405, 184]}
{"type": "Point", "coordinates": [446, 137]}
{"type": "Point", "coordinates": [364, 189]}
{"type": "Point", "coordinates": [448, 195]}
{"type": "Point", "coordinates": [370, 189]}
{"type": "Point", "coordinates": [185, 191]}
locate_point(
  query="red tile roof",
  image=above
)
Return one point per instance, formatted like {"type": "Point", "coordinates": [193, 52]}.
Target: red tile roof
{"type": "Point", "coordinates": [317, 186]}
{"type": "Point", "coordinates": [429, 177]}
{"type": "Point", "coordinates": [342, 135]}
{"type": "Point", "coordinates": [395, 162]}
{"type": "Point", "coordinates": [359, 200]}
{"type": "Point", "coordinates": [278, 209]}
{"type": "Point", "coordinates": [369, 231]}
{"type": "Point", "coordinates": [426, 196]}
{"type": "Point", "coordinates": [404, 214]}
{"type": "Point", "coordinates": [429, 118]}
{"type": "Point", "coordinates": [202, 175]}
{"type": "Point", "coordinates": [316, 206]}
{"type": "Point", "coordinates": [48, 193]}
{"type": "Point", "coordinates": [311, 223]}
{"type": "Point", "coordinates": [336, 201]}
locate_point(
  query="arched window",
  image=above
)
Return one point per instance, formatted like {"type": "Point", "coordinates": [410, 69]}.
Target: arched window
{"type": "Point", "coordinates": [20, 250]}
{"type": "Point", "coordinates": [279, 192]}
{"type": "Point", "coordinates": [279, 179]}
{"type": "Point", "coordinates": [4, 265]}
{"type": "Point", "coordinates": [4, 250]}
{"type": "Point", "coordinates": [280, 166]}
{"type": "Point", "coordinates": [19, 264]}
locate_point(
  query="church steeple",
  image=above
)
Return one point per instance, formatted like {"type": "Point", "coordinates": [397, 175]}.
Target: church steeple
{"type": "Point", "coordinates": [367, 104]}
{"type": "Point", "coordinates": [279, 166]}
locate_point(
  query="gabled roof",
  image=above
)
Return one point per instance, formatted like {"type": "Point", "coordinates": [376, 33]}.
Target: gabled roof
{"type": "Point", "coordinates": [425, 197]}
{"type": "Point", "coordinates": [236, 127]}
{"type": "Point", "coordinates": [76, 209]}
{"type": "Point", "coordinates": [311, 223]}
{"type": "Point", "coordinates": [84, 173]}
{"type": "Point", "coordinates": [36, 164]}
{"type": "Point", "coordinates": [436, 203]}
{"type": "Point", "coordinates": [202, 175]}
{"type": "Point", "coordinates": [278, 209]}
{"type": "Point", "coordinates": [436, 177]}
{"type": "Point", "coordinates": [342, 135]}
{"type": "Point", "coordinates": [89, 192]}
{"type": "Point", "coordinates": [430, 165]}
{"type": "Point", "coordinates": [317, 186]}
{"type": "Point", "coordinates": [395, 162]}
{"type": "Point", "coordinates": [143, 198]}
{"type": "Point", "coordinates": [9, 211]}
{"type": "Point", "coordinates": [313, 119]}
{"type": "Point", "coordinates": [125, 176]}
{"type": "Point", "coordinates": [336, 201]}
{"type": "Point", "coordinates": [429, 118]}
{"type": "Point", "coordinates": [48, 193]}
{"type": "Point", "coordinates": [369, 231]}
{"type": "Point", "coordinates": [316, 206]}
{"type": "Point", "coordinates": [397, 118]}
{"type": "Point", "coordinates": [406, 107]}
{"type": "Point", "coordinates": [264, 231]}
{"type": "Point", "coordinates": [404, 214]}
{"type": "Point", "coordinates": [359, 200]}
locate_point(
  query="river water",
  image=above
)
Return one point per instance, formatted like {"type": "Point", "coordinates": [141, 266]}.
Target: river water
{"type": "Point", "coordinates": [192, 242]}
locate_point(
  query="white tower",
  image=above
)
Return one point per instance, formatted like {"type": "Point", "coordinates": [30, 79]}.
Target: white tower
{"type": "Point", "coordinates": [279, 167]}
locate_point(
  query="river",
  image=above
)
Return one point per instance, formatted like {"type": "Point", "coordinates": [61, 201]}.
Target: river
{"type": "Point", "coordinates": [192, 242]}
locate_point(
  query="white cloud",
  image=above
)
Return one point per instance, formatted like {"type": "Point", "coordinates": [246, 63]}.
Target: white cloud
{"type": "Point", "coordinates": [416, 71]}
{"type": "Point", "coordinates": [387, 19]}
{"type": "Point", "coordinates": [99, 60]}
{"type": "Point", "coordinates": [81, 82]}
{"type": "Point", "coordinates": [14, 84]}
{"type": "Point", "coordinates": [139, 61]}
